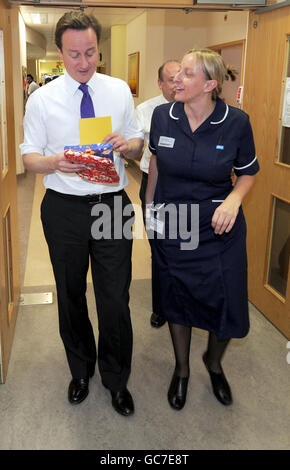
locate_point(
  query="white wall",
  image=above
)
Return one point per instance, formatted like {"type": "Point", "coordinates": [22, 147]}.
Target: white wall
{"type": "Point", "coordinates": [183, 32]}
{"type": "Point", "coordinates": [119, 51]}
{"type": "Point", "coordinates": [36, 39]}
{"type": "Point", "coordinates": [160, 35]}
{"type": "Point", "coordinates": [19, 61]}
{"type": "Point", "coordinates": [136, 41]}
{"type": "Point", "coordinates": [20, 36]}
{"type": "Point", "coordinates": [226, 27]}
{"type": "Point", "coordinates": [155, 46]}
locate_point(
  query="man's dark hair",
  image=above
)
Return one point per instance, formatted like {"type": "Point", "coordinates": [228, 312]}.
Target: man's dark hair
{"type": "Point", "coordinates": [29, 75]}
{"type": "Point", "coordinates": [77, 20]}
{"type": "Point", "coordinates": [161, 68]}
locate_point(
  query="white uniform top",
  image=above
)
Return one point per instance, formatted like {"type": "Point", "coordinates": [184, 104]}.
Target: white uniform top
{"type": "Point", "coordinates": [32, 87]}
{"type": "Point", "coordinates": [52, 122]}
{"type": "Point", "coordinates": [144, 113]}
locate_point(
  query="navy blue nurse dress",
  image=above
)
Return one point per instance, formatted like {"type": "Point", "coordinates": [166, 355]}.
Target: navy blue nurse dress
{"type": "Point", "coordinates": [205, 286]}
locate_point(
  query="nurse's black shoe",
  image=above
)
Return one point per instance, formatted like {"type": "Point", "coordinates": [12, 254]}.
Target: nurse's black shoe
{"type": "Point", "coordinates": [157, 321]}
{"type": "Point", "coordinates": [220, 385]}
{"type": "Point", "coordinates": [177, 392]}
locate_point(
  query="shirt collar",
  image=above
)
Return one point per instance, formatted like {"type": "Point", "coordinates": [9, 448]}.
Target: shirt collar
{"type": "Point", "coordinates": [93, 82]}
{"type": "Point", "coordinates": [72, 85]}
{"type": "Point", "coordinates": [163, 99]}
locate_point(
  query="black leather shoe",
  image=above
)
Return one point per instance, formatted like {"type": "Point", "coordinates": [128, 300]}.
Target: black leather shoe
{"type": "Point", "coordinates": [177, 392]}
{"type": "Point", "coordinates": [123, 402]}
{"type": "Point", "coordinates": [157, 321]}
{"type": "Point", "coordinates": [220, 385]}
{"type": "Point", "coordinates": [78, 390]}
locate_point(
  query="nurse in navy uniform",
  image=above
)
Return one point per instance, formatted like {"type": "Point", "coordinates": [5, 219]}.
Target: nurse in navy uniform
{"type": "Point", "coordinates": [196, 142]}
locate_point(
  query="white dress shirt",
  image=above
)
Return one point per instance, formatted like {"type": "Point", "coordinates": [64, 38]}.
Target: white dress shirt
{"type": "Point", "coordinates": [144, 113]}
{"type": "Point", "coordinates": [51, 122]}
{"type": "Point", "coordinates": [32, 87]}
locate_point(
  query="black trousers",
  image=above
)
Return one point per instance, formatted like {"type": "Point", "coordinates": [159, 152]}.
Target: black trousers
{"type": "Point", "coordinates": [67, 224]}
{"type": "Point", "coordinates": [154, 283]}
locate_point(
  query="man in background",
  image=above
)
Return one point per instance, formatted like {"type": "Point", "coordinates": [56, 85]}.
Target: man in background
{"type": "Point", "coordinates": [144, 111]}
{"type": "Point", "coordinates": [32, 85]}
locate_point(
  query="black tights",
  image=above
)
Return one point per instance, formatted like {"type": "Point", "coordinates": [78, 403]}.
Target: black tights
{"type": "Point", "coordinates": [181, 338]}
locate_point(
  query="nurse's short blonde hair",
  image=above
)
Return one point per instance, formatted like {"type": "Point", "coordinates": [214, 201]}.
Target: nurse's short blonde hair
{"type": "Point", "coordinates": [214, 68]}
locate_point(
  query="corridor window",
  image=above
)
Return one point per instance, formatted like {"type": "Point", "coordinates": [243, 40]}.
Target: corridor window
{"type": "Point", "coordinates": [280, 247]}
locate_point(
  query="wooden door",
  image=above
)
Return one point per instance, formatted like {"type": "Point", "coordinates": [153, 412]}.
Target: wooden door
{"type": "Point", "coordinates": [268, 206]}
{"type": "Point", "coordinates": [9, 252]}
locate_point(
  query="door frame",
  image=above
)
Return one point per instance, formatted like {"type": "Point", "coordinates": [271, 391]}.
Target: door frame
{"type": "Point", "coordinates": [9, 246]}
{"type": "Point", "coordinates": [263, 93]}
{"type": "Point", "coordinates": [218, 47]}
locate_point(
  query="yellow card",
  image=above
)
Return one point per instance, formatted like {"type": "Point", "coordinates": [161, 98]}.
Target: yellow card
{"type": "Point", "coordinates": [94, 130]}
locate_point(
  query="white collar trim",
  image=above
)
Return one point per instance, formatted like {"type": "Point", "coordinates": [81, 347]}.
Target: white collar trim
{"type": "Point", "coordinates": [170, 113]}
{"type": "Point", "coordinates": [225, 116]}
{"type": "Point", "coordinates": [212, 122]}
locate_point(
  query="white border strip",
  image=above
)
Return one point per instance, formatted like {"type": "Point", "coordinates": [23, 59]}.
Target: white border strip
{"type": "Point", "coordinates": [170, 113]}
{"type": "Point", "coordinates": [246, 166]}
{"type": "Point", "coordinates": [226, 113]}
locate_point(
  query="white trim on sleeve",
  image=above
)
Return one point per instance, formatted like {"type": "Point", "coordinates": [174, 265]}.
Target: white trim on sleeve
{"type": "Point", "coordinates": [246, 166]}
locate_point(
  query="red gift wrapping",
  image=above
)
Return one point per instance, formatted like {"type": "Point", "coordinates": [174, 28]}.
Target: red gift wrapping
{"type": "Point", "coordinates": [98, 169]}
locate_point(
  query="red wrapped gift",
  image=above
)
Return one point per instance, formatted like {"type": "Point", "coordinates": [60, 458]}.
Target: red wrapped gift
{"type": "Point", "coordinates": [99, 169]}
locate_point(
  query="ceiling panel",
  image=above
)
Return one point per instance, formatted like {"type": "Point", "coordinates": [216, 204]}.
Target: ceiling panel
{"type": "Point", "coordinates": [49, 16]}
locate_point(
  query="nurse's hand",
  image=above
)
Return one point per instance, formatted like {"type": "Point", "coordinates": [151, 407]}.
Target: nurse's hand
{"type": "Point", "coordinates": [225, 215]}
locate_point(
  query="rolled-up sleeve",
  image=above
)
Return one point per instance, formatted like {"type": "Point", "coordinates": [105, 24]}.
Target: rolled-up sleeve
{"type": "Point", "coordinates": [246, 162]}
{"type": "Point", "coordinates": [35, 138]}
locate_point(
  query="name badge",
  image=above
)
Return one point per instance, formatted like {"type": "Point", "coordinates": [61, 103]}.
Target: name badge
{"type": "Point", "coordinates": [166, 142]}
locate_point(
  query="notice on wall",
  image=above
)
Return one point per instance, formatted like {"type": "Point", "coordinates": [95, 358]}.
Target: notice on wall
{"type": "Point", "coordinates": [286, 104]}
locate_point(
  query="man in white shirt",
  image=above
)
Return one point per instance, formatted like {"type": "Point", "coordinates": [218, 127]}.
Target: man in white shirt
{"type": "Point", "coordinates": [32, 85]}
{"type": "Point", "coordinates": [51, 123]}
{"type": "Point", "coordinates": [144, 111]}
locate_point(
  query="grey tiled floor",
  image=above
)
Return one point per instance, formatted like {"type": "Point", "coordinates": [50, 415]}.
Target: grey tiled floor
{"type": "Point", "coordinates": [35, 413]}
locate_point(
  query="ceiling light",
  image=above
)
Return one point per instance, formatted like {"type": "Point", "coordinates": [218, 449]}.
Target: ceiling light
{"type": "Point", "coordinates": [39, 18]}
{"type": "Point", "coordinates": [36, 18]}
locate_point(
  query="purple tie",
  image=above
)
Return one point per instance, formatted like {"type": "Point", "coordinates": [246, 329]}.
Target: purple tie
{"type": "Point", "coordinates": [87, 107]}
